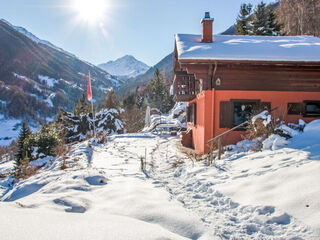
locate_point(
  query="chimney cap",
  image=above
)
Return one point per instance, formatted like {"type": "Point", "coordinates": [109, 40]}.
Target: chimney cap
{"type": "Point", "coordinates": [207, 17]}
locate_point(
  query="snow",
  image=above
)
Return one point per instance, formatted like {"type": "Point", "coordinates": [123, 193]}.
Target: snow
{"type": "Point", "coordinates": [9, 130]}
{"type": "Point", "coordinates": [127, 67]}
{"type": "Point", "coordinates": [274, 142]}
{"type": "Point", "coordinates": [176, 118]}
{"type": "Point", "coordinates": [104, 190]}
{"type": "Point", "coordinates": [50, 82]}
{"type": "Point", "coordinates": [255, 48]}
{"type": "Point", "coordinates": [271, 194]}
{"type": "Point", "coordinates": [263, 115]}
{"type": "Point", "coordinates": [20, 77]}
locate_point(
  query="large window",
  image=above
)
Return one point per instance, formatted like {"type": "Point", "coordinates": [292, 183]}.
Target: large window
{"type": "Point", "coordinates": [237, 111]}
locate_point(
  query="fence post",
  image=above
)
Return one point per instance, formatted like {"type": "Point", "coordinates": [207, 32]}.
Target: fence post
{"type": "Point", "coordinates": [145, 159]}
{"type": "Point", "coordinates": [219, 148]}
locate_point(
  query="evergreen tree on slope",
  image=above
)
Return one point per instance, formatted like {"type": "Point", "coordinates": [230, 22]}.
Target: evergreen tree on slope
{"type": "Point", "coordinates": [159, 95]}
{"type": "Point", "coordinates": [243, 25]}
{"type": "Point", "coordinates": [23, 152]}
{"type": "Point", "coordinates": [111, 100]}
{"type": "Point", "coordinates": [264, 21]}
{"type": "Point", "coordinates": [82, 107]}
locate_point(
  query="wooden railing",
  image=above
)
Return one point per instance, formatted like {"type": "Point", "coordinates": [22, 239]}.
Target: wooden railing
{"type": "Point", "coordinates": [185, 86]}
{"type": "Point", "coordinates": [219, 137]}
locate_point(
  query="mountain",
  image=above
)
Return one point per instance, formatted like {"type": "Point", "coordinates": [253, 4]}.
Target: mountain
{"type": "Point", "coordinates": [37, 77]}
{"type": "Point", "coordinates": [230, 31]}
{"type": "Point", "coordinates": [125, 67]}
{"type": "Point", "coordinates": [165, 67]}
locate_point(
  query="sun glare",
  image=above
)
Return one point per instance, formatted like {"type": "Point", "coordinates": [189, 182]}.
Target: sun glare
{"type": "Point", "coordinates": [90, 10]}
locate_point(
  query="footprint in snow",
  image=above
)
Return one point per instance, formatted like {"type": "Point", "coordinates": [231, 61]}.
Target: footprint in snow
{"type": "Point", "coordinates": [96, 180]}
{"type": "Point", "coordinates": [74, 208]}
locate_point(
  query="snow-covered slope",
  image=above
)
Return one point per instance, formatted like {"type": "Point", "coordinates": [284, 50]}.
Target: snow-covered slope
{"type": "Point", "coordinates": [101, 195]}
{"type": "Point", "coordinates": [272, 194]}
{"type": "Point", "coordinates": [126, 67]}
{"type": "Point", "coordinates": [35, 38]}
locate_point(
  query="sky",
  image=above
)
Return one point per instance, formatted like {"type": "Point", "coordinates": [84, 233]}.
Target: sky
{"type": "Point", "coordinates": [142, 28]}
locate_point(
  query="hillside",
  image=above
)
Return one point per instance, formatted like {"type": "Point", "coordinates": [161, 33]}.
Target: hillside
{"type": "Point", "coordinates": [165, 67]}
{"type": "Point", "coordinates": [125, 67]}
{"type": "Point", "coordinates": [36, 77]}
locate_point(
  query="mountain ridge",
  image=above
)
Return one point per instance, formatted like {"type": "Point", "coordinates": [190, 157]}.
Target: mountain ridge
{"type": "Point", "coordinates": [37, 77]}
{"type": "Point", "coordinates": [125, 67]}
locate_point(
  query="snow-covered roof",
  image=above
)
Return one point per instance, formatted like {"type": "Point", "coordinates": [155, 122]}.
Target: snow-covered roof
{"type": "Point", "coordinates": [249, 48]}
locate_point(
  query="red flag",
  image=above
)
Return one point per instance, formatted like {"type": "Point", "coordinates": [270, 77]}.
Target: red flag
{"type": "Point", "coordinates": [89, 93]}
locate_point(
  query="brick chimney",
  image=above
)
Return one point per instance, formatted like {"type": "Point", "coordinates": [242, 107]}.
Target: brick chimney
{"type": "Point", "coordinates": [207, 28]}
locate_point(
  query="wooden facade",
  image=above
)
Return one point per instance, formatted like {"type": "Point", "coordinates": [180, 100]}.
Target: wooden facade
{"type": "Point", "coordinates": [218, 88]}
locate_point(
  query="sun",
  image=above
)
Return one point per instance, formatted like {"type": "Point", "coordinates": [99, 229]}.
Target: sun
{"type": "Point", "coordinates": [90, 10]}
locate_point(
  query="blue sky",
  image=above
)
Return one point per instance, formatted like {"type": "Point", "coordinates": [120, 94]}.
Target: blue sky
{"type": "Point", "coordinates": [142, 28]}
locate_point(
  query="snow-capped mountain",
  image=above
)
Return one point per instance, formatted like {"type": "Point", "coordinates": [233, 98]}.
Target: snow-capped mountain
{"type": "Point", "coordinates": [38, 77]}
{"type": "Point", "coordinates": [35, 38]}
{"type": "Point", "coordinates": [125, 67]}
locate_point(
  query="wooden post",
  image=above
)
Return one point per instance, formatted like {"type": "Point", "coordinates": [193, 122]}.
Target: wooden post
{"type": "Point", "coordinates": [219, 148]}
{"type": "Point", "coordinates": [145, 159]}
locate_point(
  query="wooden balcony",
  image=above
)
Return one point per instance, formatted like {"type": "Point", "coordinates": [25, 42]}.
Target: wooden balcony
{"type": "Point", "coordinates": [185, 86]}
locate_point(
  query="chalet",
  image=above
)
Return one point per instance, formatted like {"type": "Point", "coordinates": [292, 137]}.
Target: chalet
{"type": "Point", "coordinates": [225, 78]}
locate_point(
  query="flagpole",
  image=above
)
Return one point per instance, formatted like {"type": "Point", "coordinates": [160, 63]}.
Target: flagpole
{"type": "Point", "coordinates": [93, 115]}
{"type": "Point", "coordinates": [94, 120]}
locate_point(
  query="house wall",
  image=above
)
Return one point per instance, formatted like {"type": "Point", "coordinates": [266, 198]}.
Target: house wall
{"type": "Point", "coordinates": [203, 129]}
{"type": "Point", "coordinates": [208, 112]}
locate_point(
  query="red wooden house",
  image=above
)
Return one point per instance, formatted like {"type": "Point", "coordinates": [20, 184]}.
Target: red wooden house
{"type": "Point", "coordinates": [224, 78]}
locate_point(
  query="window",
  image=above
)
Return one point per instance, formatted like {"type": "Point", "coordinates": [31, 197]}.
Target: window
{"type": "Point", "coordinates": [242, 112]}
{"type": "Point", "coordinates": [312, 108]}
{"type": "Point", "coordinates": [192, 113]}
{"type": "Point", "coordinates": [295, 108]}
{"type": "Point", "coordinates": [237, 111]}
{"type": "Point", "coordinates": [306, 108]}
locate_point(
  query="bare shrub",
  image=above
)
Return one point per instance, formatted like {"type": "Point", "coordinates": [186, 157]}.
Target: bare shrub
{"type": "Point", "coordinates": [24, 170]}
{"type": "Point", "coordinates": [102, 137]}
{"type": "Point", "coordinates": [176, 163]}
{"type": "Point", "coordinates": [61, 150]}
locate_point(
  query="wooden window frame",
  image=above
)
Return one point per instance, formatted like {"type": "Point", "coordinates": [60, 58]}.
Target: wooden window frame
{"type": "Point", "coordinates": [305, 114]}
{"type": "Point", "coordinates": [225, 122]}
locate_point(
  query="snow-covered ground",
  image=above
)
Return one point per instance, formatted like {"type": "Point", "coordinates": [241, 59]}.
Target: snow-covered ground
{"type": "Point", "coordinates": [103, 194]}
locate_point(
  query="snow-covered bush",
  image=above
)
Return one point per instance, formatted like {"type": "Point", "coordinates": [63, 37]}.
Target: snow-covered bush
{"type": "Point", "coordinates": [76, 128]}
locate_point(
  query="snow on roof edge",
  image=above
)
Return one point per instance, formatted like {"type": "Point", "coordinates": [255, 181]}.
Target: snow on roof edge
{"type": "Point", "coordinates": [249, 48]}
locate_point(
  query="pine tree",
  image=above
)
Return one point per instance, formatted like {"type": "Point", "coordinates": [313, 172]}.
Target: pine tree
{"type": "Point", "coordinates": [47, 139]}
{"type": "Point", "coordinates": [82, 107]}
{"type": "Point", "coordinates": [22, 152]}
{"type": "Point", "coordinates": [243, 20]}
{"type": "Point", "coordinates": [159, 95]}
{"type": "Point", "coordinates": [111, 100]}
{"type": "Point", "coordinates": [264, 21]}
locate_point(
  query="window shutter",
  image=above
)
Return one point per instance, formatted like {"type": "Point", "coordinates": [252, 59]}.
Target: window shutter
{"type": "Point", "coordinates": [226, 115]}
{"type": "Point", "coordinates": [296, 108]}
